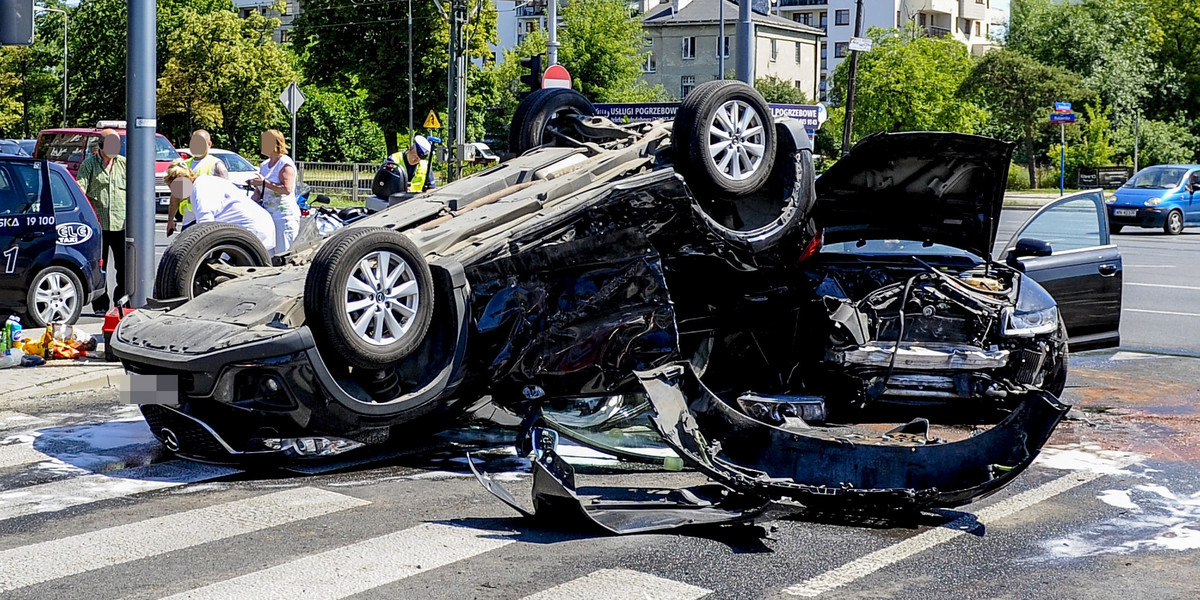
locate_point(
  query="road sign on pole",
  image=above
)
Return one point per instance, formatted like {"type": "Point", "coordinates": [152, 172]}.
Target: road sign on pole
{"type": "Point", "coordinates": [293, 100]}
{"type": "Point", "coordinates": [556, 77]}
{"type": "Point", "coordinates": [860, 44]}
{"type": "Point", "coordinates": [1062, 107]}
{"type": "Point", "coordinates": [1062, 117]}
{"type": "Point", "coordinates": [431, 122]}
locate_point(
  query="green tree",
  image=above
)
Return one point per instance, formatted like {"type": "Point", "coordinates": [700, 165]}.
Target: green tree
{"type": "Point", "coordinates": [777, 90]}
{"type": "Point", "coordinates": [1174, 35]}
{"type": "Point", "coordinates": [1090, 143]}
{"type": "Point", "coordinates": [602, 48]}
{"type": "Point", "coordinates": [911, 83]}
{"type": "Point", "coordinates": [336, 127]}
{"type": "Point", "coordinates": [1160, 143]}
{"type": "Point", "coordinates": [229, 72]}
{"type": "Point", "coordinates": [31, 80]}
{"type": "Point", "coordinates": [1020, 91]}
{"type": "Point", "coordinates": [98, 50]}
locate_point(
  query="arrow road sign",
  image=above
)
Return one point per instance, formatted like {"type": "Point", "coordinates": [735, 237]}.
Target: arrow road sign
{"type": "Point", "coordinates": [292, 98]}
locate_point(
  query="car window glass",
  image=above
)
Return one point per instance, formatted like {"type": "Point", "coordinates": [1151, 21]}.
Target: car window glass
{"type": "Point", "coordinates": [1072, 225]}
{"type": "Point", "coordinates": [236, 163]}
{"type": "Point", "coordinates": [1157, 178]}
{"type": "Point", "coordinates": [62, 147]}
{"type": "Point", "coordinates": [61, 192]}
{"type": "Point", "coordinates": [20, 189]}
{"type": "Point", "coordinates": [10, 147]}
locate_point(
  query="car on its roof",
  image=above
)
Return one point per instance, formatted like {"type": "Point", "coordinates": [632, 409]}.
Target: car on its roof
{"type": "Point", "coordinates": [849, 337]}
{"type": "Point", "coordinates": [68, 146]}
{"type": "Point", "coordinates": [51, 243]}
{"type": "Point", "coordinates": [1162, 196]}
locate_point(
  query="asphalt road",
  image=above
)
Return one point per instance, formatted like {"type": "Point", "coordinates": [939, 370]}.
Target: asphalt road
{"type": "Point", "coordinates": [91, 507]}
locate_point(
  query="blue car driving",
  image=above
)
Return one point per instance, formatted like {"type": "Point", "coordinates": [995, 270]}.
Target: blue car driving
{"type": "Point", "coordinates": [1158, 196]}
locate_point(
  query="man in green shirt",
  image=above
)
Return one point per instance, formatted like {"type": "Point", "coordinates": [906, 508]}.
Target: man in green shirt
{"type": "Point", "coordinates": [102, 177]}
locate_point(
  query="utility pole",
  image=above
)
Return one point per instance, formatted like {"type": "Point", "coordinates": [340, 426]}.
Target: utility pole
{"type": "Point", "coordinates": [745, 43]}
{"type": "Point", "coordinates": [1137, 120]}
{"type": "Point", "coordinates": [852, 81]}
{"type": "Point", "coordinates": [721, 40]}
{"type": "Point", "coordinates": [459, 15]}
{"type": "Point", "coordinates": [140, 76]}
{"type": "Point", "coordinates": [552, 33]}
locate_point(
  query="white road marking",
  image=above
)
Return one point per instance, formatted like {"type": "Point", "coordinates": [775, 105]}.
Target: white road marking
{"type": "Point", "coordinates": [1164, 285]}
{"type": "Point", "coordinates": [621, 584]}
{"type": "Point", "coordinates": [12, 420]}
{"type": "Point", "coordinates": [1124, 355]}
{"type": "Point", "coordinates": [353, 569]}
{"type": "Point", "coordinates": [86, 489]}
{"type": "Point", "coordinates": [862, 567]}
{"type": "Point", "coordinates": [45, 561]}
{"type": "Point", "coordinates": [1128, 266]}
{"type": "Point", "coordinates": [1161, 312]}
{"type": "Point", "coordinates": [20, 453]}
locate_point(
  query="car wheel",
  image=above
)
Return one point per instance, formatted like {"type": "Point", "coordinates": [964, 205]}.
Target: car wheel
{"type": "Point", "coordinates": [1174, 224]}
{"type": "Point", "coordinates": [186, 268]}
{"type": "Point", "coordinates": [1114, 229]}
{"type": "Point", "coordinates": [368, 296]}
{"type": "Point", "coordinates": [55, 296]}
{"type": "Point", "coordinates": [537, 110]}
{"type": "Point", "coordinates": [724, 138]}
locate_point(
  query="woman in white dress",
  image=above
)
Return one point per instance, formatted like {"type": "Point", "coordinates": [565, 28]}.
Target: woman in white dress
{"type": "Point", "coordinates": [276, 189]}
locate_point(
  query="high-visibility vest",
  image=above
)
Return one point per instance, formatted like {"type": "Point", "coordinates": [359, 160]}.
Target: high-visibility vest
{"type": "Point", "coordinates": [418, 179]}
{"type": "Point", "coordinates": [202, 166]}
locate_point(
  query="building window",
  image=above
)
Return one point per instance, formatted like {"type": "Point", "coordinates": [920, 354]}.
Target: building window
{"type": "Point", "coordinates": [651, 63]}
{"type": "Point", "coordinates": [799, 53]}
{"type": "Point", "coordinates": [725, 44]}
{"type": "Point", "coordinates": [689, 48]}
{"type": "Point", "coordinates": [840, 49]}
{"type": "Point", "coordinates": [283, 36]}
{"type": "Point", "coordinates": [842, 17]}
{"type": "Point", "coordinates": [686, 83]}
{"type": "Point", "coordinates": [803, 18]}
{"type": "Point", "coordinates": [648, 43]}
{"type": "Point", "coordinates": [921, 19]}
{"type": "Point", "coordinates": [976, 28]}
{"type": "Point", "coordinates": [774, 50]}
{"type": "Point", "coordinates": [823, 22]}
{"type": "Point", "coordinates": [824, 89]}
{"type": "Point", "coordinates": [246, 13]}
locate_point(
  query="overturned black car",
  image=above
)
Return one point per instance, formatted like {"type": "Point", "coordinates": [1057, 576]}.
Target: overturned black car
{"type": "Point", "coordinates": [848, 337]}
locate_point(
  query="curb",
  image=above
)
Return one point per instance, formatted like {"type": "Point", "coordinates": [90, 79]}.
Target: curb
{"type": "Point", "coordinates": [100, 378]}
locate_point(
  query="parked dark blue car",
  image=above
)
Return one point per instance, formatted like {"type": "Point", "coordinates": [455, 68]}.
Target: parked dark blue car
{"type": "Point", "coordinates": [1159, 196]}
{"type": "Point", "coordinates": [50, 246]}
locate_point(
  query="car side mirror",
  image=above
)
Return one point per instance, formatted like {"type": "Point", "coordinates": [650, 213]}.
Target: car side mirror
{"type": "Point", "coordinates": [321, 199]}
{"type": "Point", "coordinates": [1028, 247]}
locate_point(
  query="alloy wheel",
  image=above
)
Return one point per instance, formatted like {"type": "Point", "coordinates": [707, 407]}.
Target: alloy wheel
{"type": "Point", "coordinates": [382, 298]}
{"type": "Point", "coordinates": [55, 298]}
{"type": "Point", "coordinates": [737, 140]}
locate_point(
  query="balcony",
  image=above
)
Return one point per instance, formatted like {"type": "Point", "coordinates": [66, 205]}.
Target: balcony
{"type": "Point", "coordinates": [936, 32]}
{"type": "Point", "coordinates": [794, 3]}
{"type": "Point", "coordinates": [943, 7]}
{"type": "Point", "coordinates": [976, 10]}
{"type": "Point", "coordinates": [531, 11]}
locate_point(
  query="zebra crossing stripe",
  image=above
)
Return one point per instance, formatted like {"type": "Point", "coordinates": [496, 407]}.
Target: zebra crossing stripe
{"type": "Point", "coordinates": [359, 567]}
{"type": "Point", "coordinates": [13, 420]}
{"type": "Point", "coordinates": [86, 489]}
{"type": "Point", "coordinates": [20, 453]}
{"type": "Point", "coordinates": [45, 561]}
{"type": "Point", "coordinates": [621, 584]}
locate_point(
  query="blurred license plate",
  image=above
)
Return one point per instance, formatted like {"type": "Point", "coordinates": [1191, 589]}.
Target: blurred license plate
{"type": "Point", "coordinates": [149, 389]}
{"type": "Point", "coordinates": [1125, 212]}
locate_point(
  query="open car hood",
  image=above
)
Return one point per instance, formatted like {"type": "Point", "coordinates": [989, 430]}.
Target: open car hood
{"type": "Point", "coordinates": [945, 188]}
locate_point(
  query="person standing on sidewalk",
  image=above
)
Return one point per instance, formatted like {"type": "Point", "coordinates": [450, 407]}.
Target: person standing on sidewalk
{"type": "Point", "coordinates": [276, 185]}
{"type": "Point", "coordinates": [102, 178]}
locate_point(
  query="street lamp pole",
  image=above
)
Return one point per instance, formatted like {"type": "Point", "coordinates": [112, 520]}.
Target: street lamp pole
{"type": "Point", "coordinates": [64, 14]}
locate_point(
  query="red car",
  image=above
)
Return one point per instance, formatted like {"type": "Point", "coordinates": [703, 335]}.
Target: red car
{"type": "Point", "coordinates": [68, 146]}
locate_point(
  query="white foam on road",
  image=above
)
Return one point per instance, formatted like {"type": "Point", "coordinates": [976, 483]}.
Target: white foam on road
{"type": "Point", "coordinates": [1124, 355]}
{"type": "Point", "coordinates": [621, 584]}
{"type": "Point", "coordinates": [359, 567]}
{"type": "Point", "coordinates": [87, 489]}
{"type": "Point", "coordinates": [1155, 518]}
{"type": "Point", "coordinates": [46, 561]}
{"type": "Point", "coordinates": [1086, 464]}
{"type": "Point", "coordinates": [1117, 498]}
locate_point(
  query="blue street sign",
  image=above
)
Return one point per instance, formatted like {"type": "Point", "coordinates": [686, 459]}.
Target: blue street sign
{"type": "Point", "coordinates": [808, 115]}
{"type": "Point", "coordinates": [1062, 107]}
{"type": "Point", "coordinates": [1062, 117]}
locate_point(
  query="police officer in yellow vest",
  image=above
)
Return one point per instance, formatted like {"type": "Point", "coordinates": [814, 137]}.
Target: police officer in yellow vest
{"type": "Point", "coordinates": [201, 163]}
{"type": "Point", "coordinates": [416, 163]}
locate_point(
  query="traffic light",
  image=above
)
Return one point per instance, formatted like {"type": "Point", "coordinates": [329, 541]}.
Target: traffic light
{"type": "Point", "coordinates": [16, 22]}
{"type": "Point", "coordinates": [533, 78]}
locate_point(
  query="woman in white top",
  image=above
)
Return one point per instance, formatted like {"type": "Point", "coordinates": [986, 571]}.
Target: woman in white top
{"type": "Point", "coordinates": [277, 189]}
{"type": "Point", "coordinates": [215, 199]}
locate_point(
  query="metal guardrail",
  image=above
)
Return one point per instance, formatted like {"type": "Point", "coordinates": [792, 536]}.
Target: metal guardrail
{"type": "Point", "coordinates": [352, 180]}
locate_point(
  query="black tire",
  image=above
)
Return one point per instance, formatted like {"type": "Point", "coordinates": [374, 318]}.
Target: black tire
{"type": "Point", "coordinates": [55, 295]}
{"type": "Point", "coordinates": [1174, 223]}
{"type": "Point", "coordinates": [534, 113]}
{"type": "Point", "coordinates": [692, 141]}
{"type": "Point", "coordinates": [327, 298]}
{"type": "Point", "coordinates": [182, 272]}
{"type": "Point", "coordinates": [1115, 229]}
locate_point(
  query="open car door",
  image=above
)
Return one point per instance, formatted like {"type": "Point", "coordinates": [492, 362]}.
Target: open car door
{"type": "Point", "coordinates": [1077, 263]}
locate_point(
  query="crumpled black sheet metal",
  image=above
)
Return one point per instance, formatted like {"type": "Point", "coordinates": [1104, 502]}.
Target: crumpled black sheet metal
{"type": "Point", "coordinates": [760, 460]}
{"type": "Point", "coordinates": [619, 510]}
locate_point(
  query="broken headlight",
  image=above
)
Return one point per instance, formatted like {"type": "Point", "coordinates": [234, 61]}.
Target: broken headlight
{"type": "Point", "coordinates": [1036, 312]}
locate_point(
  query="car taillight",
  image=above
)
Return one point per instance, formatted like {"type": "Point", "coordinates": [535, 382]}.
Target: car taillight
{"type": "Point", "coordinates": [814, 246]}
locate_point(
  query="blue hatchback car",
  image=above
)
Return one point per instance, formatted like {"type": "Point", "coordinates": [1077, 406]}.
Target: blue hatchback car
{"type": "Point", "coordinates": [50, 245]}
{"type": "Point", "coordinates": [1158, 196]}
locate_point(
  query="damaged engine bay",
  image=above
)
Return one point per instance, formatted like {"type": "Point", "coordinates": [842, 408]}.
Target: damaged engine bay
{"type": "Point", "coordinates": [599, 292]}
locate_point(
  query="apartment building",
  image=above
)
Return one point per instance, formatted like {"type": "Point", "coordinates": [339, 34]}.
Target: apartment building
{"type": "Point", "coordinates": [967, 21]}
{"type": "Point", "coordinates": [682, 45]}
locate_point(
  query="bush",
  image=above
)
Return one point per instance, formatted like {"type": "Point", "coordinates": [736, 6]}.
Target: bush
{"type": "Point", "coordinates": [335, 127]}
{"type": "Point", "coordinates": [1018, 177]}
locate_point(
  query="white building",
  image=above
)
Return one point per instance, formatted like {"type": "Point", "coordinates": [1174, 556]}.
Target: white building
{"type": "Point", "coordinates": [967, 21]}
